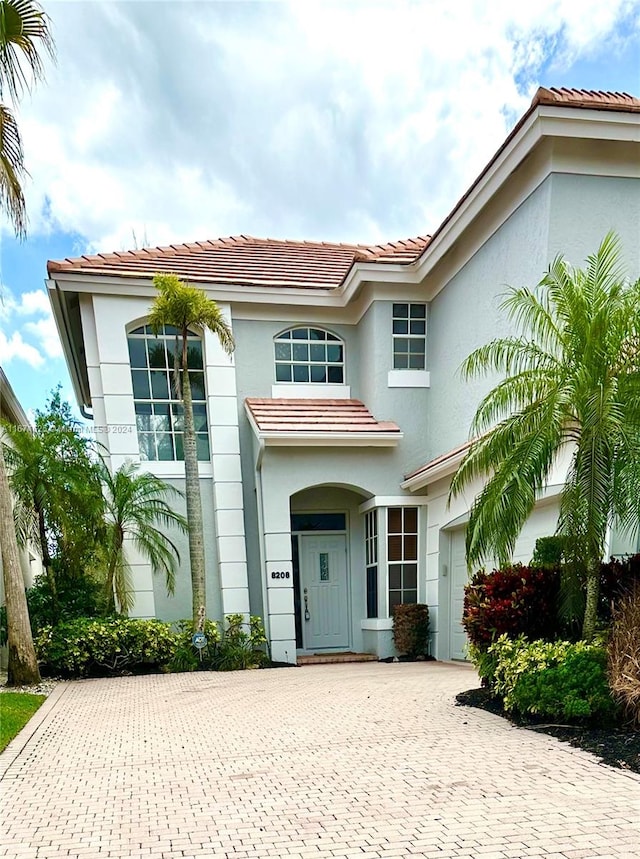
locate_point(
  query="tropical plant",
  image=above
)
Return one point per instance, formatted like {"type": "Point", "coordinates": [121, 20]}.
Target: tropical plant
{"type": "Point", "coordinates": [22, 665]}
{"type": "Point", "coordinates": [55, 479]}
{"type": "Point", "coordinates": [624, 654]}
{"type": "Point", "coordinates": [136, 509]}
{"type": "Point", "coordinates": [560, 679]}
{"type": "Point", "coordinates": [514, 600]}
{"type": "Point", "coordinates": [184, 307]}
{"type": "Point", "coordinates": [572, 382]}
{"type": "Point", "coordinates": [24, 33]}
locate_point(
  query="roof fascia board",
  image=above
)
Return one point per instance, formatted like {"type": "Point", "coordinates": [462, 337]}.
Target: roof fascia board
{"type": "Point", "coordinates": [10, 405]}
{"type": "Point", "coordinates": [330, 439]}
{"type": "Point", "coordinates": [432, 473]}
{"type": "Point", "coordinates": [545, 121]}
{"type": "Point", "coordinates": [56, 297]}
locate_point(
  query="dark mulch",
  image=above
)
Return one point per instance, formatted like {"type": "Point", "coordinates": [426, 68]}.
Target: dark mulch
{"type": "Point", "coordinates": [615, 746]}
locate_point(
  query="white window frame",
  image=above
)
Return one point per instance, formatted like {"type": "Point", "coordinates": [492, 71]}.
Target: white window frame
{"type": "Point", "coordinates": [329, 340]}
{"type": "Point", "coordinates": [133, 333]}
{"type": "Point", "coordinates": [408, 336]}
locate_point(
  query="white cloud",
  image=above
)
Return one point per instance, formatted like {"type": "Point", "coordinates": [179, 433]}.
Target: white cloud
{"type": "Point", "coordinates": [359, 120]}
{"type": "Point", "coordinates": [14, 348]}
{"type": "Point", "coordinates": [46, 333]}
{"type": "Point", "coordinates": [23, 337]}
{"type": "Point", "coordinates": [32, 303]}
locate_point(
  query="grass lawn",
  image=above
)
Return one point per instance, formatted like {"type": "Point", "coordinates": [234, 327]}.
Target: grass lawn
{"type": "Point", "coordinates": [16, 708]}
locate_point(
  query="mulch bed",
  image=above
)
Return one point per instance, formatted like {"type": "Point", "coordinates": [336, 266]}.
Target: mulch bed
{"type": "Point", "coordinates": [616, 746]}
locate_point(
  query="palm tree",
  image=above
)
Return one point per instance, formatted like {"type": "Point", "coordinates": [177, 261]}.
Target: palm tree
{"type": "Point", "coordinates": [56, 487]}
{"type": "Point", "coordinates": [24, 31]}
{"type": "Point", "coordinates": [572, 382]}
{"type": "Point", "coordinates": [136, 509]}
{"type": "Point", "coordinates": [184, 306]}
{"type": "Point", "coordinates": [22, 664]}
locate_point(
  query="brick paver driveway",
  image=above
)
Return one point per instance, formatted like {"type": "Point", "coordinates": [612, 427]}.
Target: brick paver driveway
{"type": "Point", "coordinates": [369, 760]}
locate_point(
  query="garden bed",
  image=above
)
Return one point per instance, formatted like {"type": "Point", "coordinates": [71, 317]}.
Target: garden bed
{"type": "Point", "coordinates": [616, 746]}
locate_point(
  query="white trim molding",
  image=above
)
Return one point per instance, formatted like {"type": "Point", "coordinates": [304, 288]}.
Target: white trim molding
{"type": "Point", "coordinates": [392, 501]}
{"type": "Point", "coordinates": [408, 379]}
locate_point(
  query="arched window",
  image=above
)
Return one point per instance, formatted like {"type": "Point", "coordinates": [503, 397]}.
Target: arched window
{"type": "Point", "coordinates": [159, 411]}
{"type": "Point", "coordinates": [309, 355]}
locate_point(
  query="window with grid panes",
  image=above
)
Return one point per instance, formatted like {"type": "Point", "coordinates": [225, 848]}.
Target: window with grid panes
{"type": "Point", "coordinates": [402, 555]}
{"type": "Point", "coordinates": [409, 336]}
{"type": "Point", "coordinates": [371, 561]}
{"type": "Point", "coordinates": [159, 411]}
{"type": "Point", "coordinates": [309, 355]}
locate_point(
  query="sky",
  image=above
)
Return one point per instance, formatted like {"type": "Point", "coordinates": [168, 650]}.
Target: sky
{"type": "Point", "coordinates": [164, 122]}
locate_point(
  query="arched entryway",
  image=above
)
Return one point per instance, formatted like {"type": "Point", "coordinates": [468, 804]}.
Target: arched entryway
{"type": "Point", "coordinates": [327, 546]}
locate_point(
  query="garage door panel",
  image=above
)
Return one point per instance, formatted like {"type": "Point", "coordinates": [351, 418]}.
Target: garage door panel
{"type": "Point", "coordinates": [459, 578]}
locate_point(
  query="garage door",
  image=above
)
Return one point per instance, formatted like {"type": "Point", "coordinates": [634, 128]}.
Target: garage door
{"type": "Point", "coordinates": [458, 579]}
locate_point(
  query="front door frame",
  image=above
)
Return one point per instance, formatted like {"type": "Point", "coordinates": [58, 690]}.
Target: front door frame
{"type": "Point", "coordinates": [295, 535]}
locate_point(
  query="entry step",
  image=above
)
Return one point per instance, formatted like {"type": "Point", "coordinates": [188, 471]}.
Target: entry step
{"type": "Point", "coordinates": [325, 658]}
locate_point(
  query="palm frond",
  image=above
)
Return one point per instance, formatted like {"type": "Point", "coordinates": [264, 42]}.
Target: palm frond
{"type": "Point", "coordinates": [12, 172]}
{"type": "Point", "coordinates": [24, 34]}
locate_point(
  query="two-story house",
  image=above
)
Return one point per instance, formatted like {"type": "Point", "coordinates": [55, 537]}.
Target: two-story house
{"type": "Point", "coordinates": [328, 441]}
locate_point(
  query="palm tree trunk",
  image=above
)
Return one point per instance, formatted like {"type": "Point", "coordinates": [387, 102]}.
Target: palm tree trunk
{"type": "Point", "coordinates": [193, 499]}
{"type": "Point", "coordinates": [593, 593]}
{"type": "Point", "coordinates": [46, 563]}
{"type": "Point", "coordinates": [23, 665]}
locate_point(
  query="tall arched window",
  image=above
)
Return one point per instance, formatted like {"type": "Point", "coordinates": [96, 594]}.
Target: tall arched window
{"type": "Point", "coordinates": [309, 355]}
{"type": "Point", "coordinates": [159, 411]}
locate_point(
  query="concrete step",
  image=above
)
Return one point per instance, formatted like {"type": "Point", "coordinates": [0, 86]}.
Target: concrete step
{"type": "Point", "coordinates": [333, 658]}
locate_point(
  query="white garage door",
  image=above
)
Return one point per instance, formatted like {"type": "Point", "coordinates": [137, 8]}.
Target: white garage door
{"type": "Point", "coordinates": [459, 578]}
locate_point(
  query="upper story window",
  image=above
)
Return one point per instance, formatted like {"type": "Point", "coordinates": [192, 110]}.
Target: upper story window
{"type": "Point", "coordinates": [159, 411]}
{"type": "Point", "coordinates": [309, 355]}
{"type": "Point", "coordinates": [409, 336]}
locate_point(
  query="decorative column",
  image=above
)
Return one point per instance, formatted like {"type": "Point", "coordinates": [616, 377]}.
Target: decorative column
{"type": "Point", "coordinates": [222, 407]}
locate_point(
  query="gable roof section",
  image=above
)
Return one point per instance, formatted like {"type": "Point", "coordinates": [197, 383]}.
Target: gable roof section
{"type": "Point", "coordinates": [246, 260]}
{"type": "Point", "coordinates": [318, 421]}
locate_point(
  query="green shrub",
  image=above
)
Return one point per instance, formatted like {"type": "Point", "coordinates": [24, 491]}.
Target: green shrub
{"type": "Point", "coordinates": [411, 629]}
{"type": "Point", "coordinates": [233, 649]}
{"type": "Point", "coordinates": [555, 680]}
{"type": "Point", "coordinates": [549, 551]}
{"type": "Point", "coordinates": [94, 646]}
{"type": "Point", "coordinates": [239, 648]}
{"type": "Point", "coordinates": [484, 662]}
{"type": "Point", "coordinates": [624, 655]}
{"type": "Point", "coordinates": [185, 656]}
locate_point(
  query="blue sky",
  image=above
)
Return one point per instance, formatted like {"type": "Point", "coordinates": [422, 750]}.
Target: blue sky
{"type": "Point", "coordinates": [338, 121]}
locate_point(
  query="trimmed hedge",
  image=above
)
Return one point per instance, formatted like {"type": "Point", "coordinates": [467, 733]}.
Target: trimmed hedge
{"type": "Point", "coordinates": [87, 647]}
{"type": "Point", "coordinates": [411, 629]}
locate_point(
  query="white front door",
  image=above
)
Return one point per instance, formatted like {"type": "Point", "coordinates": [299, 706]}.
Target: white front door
{"type": "Point", "coordinates": [458, 579]}
{"type": "Point", "coordinates": [323, 585]}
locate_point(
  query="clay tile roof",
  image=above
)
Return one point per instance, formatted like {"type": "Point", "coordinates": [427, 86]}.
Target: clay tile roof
{"type": "Point", "coordinates": [315, 416]}
{"type": "Point", "coordinates": [246, 261]}
{"type": "Point", "coordinates": [590, 98]}
{"type": "Point", "coordinates": [450, 455]}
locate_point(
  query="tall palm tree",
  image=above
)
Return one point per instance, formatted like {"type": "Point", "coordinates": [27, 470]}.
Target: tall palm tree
{"type": "Point", "coordinates": [136, 509]}
{"type": "Point", "coordinates": [184, 306]}
{"type": "Point", "coordinates": [572, 382]}
{"type": "Point", "coordinates": [24, 35]}
{"type": "Point", "coordinates": [22, 664]}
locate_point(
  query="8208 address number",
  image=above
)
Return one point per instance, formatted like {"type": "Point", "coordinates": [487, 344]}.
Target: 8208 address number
{"type": "Point", "coordinates": [281, 575]}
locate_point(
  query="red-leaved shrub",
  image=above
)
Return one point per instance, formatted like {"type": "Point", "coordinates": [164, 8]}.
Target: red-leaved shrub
{"type": "Point", "coordinates": [515, 600]}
